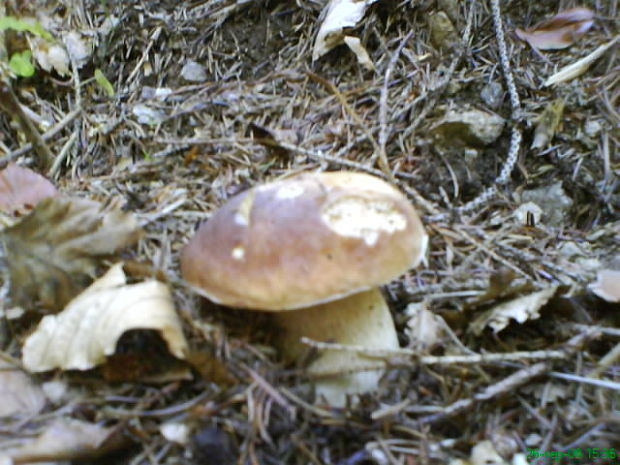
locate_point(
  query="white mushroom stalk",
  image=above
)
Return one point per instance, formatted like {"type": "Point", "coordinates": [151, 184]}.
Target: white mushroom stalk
{"type": "Point", "coordinates": [360, 319]}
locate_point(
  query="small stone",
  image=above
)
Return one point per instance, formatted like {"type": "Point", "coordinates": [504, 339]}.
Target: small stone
{"type": "Point", "coordinates": [553, 200]}
{"type": "Point", "coordinates": [148, 115]}
{"type": "Point", "coordinates": [473, 127]}
{"type": "Point", "coordinates": [570, 249]}
{"type": "Point", "coordinates": [593, 128]}
{"type": "Point", "coordinates": [492, 94]}
{"type": "Point", "coordinates": [193, 72]}
{"type": "Point", "coordinates": [443, 34]}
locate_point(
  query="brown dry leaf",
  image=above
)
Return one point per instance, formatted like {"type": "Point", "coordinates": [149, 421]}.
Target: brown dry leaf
{"type": "Point", "coordinates": [559, 31]}
{"type": "Point", "coordinates": [210, 368]}
{"type": "Point", "coordinates": [547, 123]}
{"type": "Point", "coordinates": [520, 309]}
{"type": "Point", "coordinates": [53, 252]}
{"type": "Point", "coordinates": [19, 394]}
{"type": "Point", "coordinates": [85, 332]}
{"type": "Point", "coordinates": [607, 285]}
{"type": "Point", "coordinates": [64, 439]}
{"type": "Point", "coordinates": [21, 187]}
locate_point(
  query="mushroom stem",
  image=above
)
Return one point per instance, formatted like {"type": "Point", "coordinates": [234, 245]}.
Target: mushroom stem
{"type": "Point", "coordinates": [359, 319]}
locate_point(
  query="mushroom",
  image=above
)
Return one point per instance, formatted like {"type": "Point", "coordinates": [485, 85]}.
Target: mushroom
{"type": "Point", "coordinates": [314, 248]}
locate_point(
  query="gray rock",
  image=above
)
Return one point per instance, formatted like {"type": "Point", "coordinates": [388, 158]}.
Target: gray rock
{"type": "Point", "coordinates": [553, 200]}
{"type": "Point", "coordinates": [470, 127]}
{"type": "Point", "coordinates": [492, 94]}
{"type": "Point", "coordinates": [193, 72]}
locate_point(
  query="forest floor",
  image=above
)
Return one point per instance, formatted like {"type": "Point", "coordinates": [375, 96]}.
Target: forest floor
{"type": "Point", "coordinates": [213, 97]}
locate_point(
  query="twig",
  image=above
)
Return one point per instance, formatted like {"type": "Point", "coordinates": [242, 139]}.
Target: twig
{"type": "Point", "coordinates": [508, 384]}
{"type": "Point", "coordinates": [515, 138]}
{"type": "Point", "coordinates": [383, 162]}
{"type": "Point", "coordinates": [11, 105]}
{"type": "Point", "coordinates": [391, 356]}
{"type": "Point", "coordinates": [272, 392]}
{"type": "Point", "coordinates": [383, 99]}
{"type": "Point", "coordinates": [434, 94]}
{"type": "Point", "coordinates": [490, 252]}
{"type": "Point", "coordinates": [46, 136]}
{"type": "Point", "coordinates": [586, 380]}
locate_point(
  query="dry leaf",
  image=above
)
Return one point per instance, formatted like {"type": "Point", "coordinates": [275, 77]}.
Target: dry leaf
{"type": "Point", "coordinates": [581, 66]}
{"type": "Point", "coordinates": [520, 309]}
{"type": "Point", "coordinates": [85, 332]}
{"type": "Point", "coordinates": [547, 123]}
{"type": "Point", "coordinates": [210, 368]}
{"type": "Point", "coordinates": [484, 453]}
{"type": "Point", "coordinates": [53, 252]}
{"type": "Point", "coordinates": [21, 187]}
{"type": "Point", "coordinates": [560, 31]}
{"type": "Point", "coordinates": [339, 15]}
{"type": "Point", "coordinates": [442, 31]}
{"type": "Point", "coordinates": [355, 45]}
{"type": "Point", "coordinates": [19, 394]}
{"type": "Point", "coordinates": [423, 329]}
{"type": "Point", "coordinates": [79, 46]}
{"type": "Point", "coordinates": [50, 56]}
{"type": "Point", "coordinates": [607, 285]}
{"type": "Point", "coordinates": [65, 439]}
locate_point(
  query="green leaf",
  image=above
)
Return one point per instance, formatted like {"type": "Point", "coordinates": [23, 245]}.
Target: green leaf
{"type": "Point", "coordinates": [10, 22]}
{"type": "Point", "coordinates": [21, 63]}
{"type": "Point", "coordinates": [104, 83]}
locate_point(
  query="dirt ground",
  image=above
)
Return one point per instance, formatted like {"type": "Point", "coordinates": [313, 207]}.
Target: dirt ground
{"type": "Point", "coordinates": [262, 109]}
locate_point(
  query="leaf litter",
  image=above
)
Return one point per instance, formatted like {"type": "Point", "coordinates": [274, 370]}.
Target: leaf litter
{"type": "Point", "coordinates": [197, 140]}
{"type": "Point", "coordinates": [560, 31]}
{"type": "Point", "coordinates": [88, 329]}
{"type": "Point", "coordinates": [53, 253]}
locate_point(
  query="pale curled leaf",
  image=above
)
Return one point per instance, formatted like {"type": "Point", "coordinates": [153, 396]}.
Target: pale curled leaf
{"type": "Point", "coordinates": [79, 47]}
{"type": "Point", "coordinates": [607, 285]}
{"type": "Point", "coordinates": [521, 309]}
{"type": "Point", "coordinates": [20, 186]}
{"type": "Point", "coordinates": [84, 333]}
{"type": "Point", "coordinates": [580, 66]}
{"type": "Point", "coordinates": [19, 394]}
{"type": "Point", "coordinates": [63, 439]}
{"type": "Point", "coordinates": [484, 453]}
{"type": "Point", "coordinates": [50, 56]}
{"type": "Point", "coordinates": [339, 15]}
{"type": "Point", "coordinates": [355, 45]}
{"type": "Point", "coordinates": [52, 254]}
{"type": "Point", "coordinates": [559, 31]}
{"type": "Point", "coordinates": [422, 328]}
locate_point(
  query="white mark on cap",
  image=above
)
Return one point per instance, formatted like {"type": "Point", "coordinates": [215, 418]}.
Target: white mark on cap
{"type": "Point", "coordinates": [362, 218]}
{"type": "Point", "coordinates": [289, 191]}
{"type": "Point", "coordinates": [238, 253]}
{"type": "Point", "coordinates": [242, 215]}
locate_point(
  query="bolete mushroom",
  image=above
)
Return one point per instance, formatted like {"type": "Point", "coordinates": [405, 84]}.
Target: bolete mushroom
{"type": "Point", "coordinates": [314, 248]}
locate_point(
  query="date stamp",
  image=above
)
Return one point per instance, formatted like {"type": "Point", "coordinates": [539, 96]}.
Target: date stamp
{"type": "Point", "coordinates": [589, 453]}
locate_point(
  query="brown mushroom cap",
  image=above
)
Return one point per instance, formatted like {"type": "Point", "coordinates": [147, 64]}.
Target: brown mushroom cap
{"type": "Point", "coordinates": [304, 240]}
